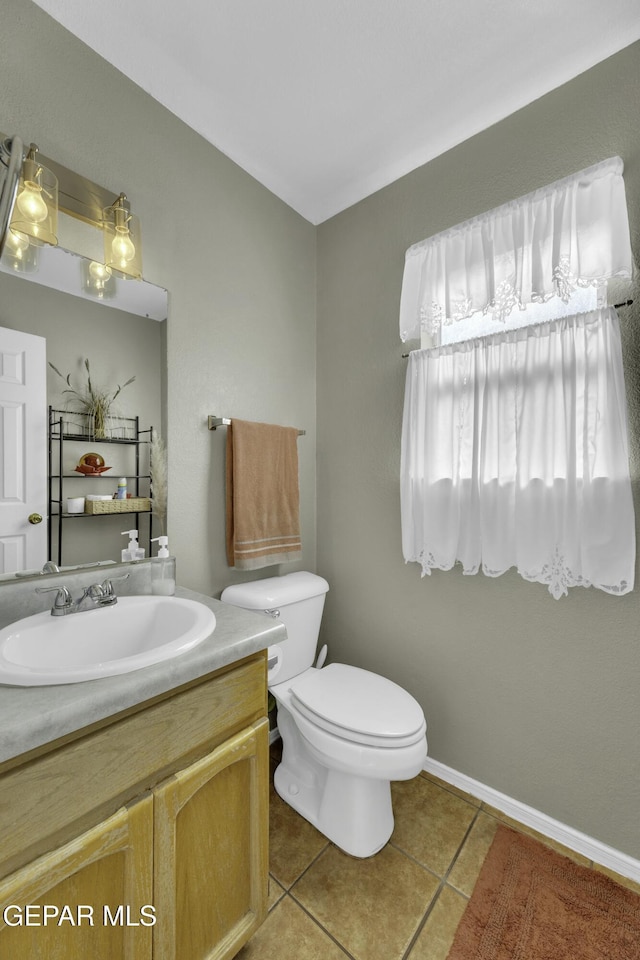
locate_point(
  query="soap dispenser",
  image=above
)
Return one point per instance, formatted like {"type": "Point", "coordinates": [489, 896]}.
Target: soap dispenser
{"type": "Point", "coordinates": [163, 570]}
{"type": "Point", "coordinates": [133, 550]}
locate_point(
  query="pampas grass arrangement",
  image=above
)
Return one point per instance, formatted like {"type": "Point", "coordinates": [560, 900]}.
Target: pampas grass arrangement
{"type": "Point", "coordinates": [94, 402]}
{"type": "Point", "coordinates": [158, 471]}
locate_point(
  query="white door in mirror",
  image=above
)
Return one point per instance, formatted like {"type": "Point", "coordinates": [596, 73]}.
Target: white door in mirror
{"type": "Point", "coordinates": [23, 451]}
{"type": "Point", "coordinates": [133, 633]}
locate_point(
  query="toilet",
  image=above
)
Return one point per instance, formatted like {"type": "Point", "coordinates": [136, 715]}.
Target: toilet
{"type": "Point", "coordinates": [346, 732]}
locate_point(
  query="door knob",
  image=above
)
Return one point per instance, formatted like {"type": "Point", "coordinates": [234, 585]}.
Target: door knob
{"type": "Point", "coordinates": [35, 518]}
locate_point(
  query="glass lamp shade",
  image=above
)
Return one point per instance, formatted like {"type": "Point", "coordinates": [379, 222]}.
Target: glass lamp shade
{"type": "Point", "coordinates": [19, 254]}
{"type": "Point", "coordinates": [98, 280]}
{"type": "Point", "coordinates": [122, 240]}
{"type": "Point", "coordinates": [35, 212]}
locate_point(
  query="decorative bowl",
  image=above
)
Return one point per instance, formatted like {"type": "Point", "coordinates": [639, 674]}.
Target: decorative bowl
{"type": "Point", "coordinates": [91, 465]}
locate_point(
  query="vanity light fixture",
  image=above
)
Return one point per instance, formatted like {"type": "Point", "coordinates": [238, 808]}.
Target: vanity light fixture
{"type": "Point", "coordinates": [122, 246]}
{"type": "Point", "coordinates": [35, 212]}
{"type": "Point", "coordinates": [30, 207]}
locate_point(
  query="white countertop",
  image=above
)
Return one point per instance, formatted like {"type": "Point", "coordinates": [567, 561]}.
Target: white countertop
{"type": "Point", "coordinates": [33, 716]}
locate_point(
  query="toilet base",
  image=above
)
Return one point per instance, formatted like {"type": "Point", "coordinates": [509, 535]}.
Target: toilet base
{"type": "Point", "coordinates": [338, 813]}
{"type": "Point", "coordinates": [353, 812]}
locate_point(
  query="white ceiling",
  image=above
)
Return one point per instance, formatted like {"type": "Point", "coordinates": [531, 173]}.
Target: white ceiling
{"type": "Point", "coordinates": [326, 101]}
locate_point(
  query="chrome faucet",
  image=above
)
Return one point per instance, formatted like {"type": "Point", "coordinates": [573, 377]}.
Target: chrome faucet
{"type": "Point", "coordinates": [94, 596]}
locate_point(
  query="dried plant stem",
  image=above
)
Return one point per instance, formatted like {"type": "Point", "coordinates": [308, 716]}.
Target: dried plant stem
{"type": "Point", "coordinates": [158, 470]}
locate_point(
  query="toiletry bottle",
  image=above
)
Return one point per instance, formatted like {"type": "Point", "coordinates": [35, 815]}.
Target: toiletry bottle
{"type": "Point", "coordinates": [133, 549]}
{"type": "Point", "coordinates": [163, 570]}
{"type": "Point", "coordinates": [122, 489]}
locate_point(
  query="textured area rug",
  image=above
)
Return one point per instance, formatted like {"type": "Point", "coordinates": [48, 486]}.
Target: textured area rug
{"type": "Point", "coordinates": [531, 903]}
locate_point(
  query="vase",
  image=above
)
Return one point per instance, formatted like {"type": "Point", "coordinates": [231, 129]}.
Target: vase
{"type": "Point", "coordinates": [100, 417]}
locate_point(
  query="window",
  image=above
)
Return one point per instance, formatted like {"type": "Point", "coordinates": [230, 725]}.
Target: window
{"type": "Point", "coordinates": [514, 446]}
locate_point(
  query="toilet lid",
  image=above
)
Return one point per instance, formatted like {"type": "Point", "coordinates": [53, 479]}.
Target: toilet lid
{"type": "Point", "coordinates": [359, 705]}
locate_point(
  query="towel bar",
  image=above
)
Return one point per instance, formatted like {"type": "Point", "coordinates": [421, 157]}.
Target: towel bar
{"type": "Point", "coordinates": [215, 422]}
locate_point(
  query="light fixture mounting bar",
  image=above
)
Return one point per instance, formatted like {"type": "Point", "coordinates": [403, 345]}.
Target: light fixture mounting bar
{"type": "Point", "coordinates": [78, 196]}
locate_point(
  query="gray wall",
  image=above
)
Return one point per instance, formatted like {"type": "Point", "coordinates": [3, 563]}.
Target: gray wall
{"type": "Point", "coordinates": [535, 697]}
{"type": "Point", "coordinates": [238, 263]}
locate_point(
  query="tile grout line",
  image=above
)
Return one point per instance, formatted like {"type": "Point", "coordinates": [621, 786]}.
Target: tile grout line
{"type": "Point", "coordinates": [308, 866]}
{"type": "Point", "coordinates": [430, 870]}
{"type": "Point", "coordinates": [289, 893]}
{"type": "Point", "coordinates": [319, 925]}
{"type": "Point", "coordinates": [442, 884]}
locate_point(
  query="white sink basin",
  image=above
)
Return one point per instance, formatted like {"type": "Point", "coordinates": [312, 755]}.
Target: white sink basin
{"type": "Point", "coordinates": [133, 633]}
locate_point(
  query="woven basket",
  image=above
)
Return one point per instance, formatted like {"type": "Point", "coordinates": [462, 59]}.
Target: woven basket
{"type": "Point", "coordinates": [132, 505]}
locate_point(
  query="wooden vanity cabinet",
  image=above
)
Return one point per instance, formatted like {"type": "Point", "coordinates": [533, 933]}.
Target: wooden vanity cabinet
{"type": "Point", "coordinates": [149, 836]}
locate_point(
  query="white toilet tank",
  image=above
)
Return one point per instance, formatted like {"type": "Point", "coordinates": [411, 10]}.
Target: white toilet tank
{"type": "Point", "coordinates": [299, 599]}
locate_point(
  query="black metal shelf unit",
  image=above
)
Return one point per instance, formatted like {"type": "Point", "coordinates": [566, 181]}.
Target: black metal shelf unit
{"type": "Point", "coordinates": [66, 426]}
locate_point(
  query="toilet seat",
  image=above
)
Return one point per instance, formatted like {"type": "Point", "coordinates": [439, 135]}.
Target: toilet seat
{"type": "Point", "coordinates": [358, 706]}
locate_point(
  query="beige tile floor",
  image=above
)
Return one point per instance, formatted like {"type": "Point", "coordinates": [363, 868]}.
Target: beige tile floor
{"type": "Point", "coordinates": [403, 904]}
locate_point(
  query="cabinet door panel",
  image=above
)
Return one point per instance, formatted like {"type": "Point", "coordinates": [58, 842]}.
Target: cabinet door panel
{"type": "Point", "coordinates": [211, 864]}
{"type": "Point", "coordinates": [108, 866]}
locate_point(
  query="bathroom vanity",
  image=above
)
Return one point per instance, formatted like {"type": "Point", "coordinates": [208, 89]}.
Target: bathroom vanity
{"type": "Point", "coordinates": [144, 833]}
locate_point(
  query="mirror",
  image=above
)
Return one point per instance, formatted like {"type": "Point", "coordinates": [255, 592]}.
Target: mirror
{"type": "Point", "coordinates": [68, 272]}
{"type": "Point", "coordinates": [119, 345]}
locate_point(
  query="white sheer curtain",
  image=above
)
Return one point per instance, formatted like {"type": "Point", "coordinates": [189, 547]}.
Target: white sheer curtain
{"type": "Point", "coordinates": [571, 233]}
{"type": "Point", "coordinates": [514, 454]}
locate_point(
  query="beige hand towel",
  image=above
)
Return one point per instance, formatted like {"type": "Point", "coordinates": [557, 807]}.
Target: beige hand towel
{"type": "Point", "coordinates": [262, 495]}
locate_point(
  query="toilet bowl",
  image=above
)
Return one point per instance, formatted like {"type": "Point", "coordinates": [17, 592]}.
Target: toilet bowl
{"type": "Point", "coordinates": [346, 732]}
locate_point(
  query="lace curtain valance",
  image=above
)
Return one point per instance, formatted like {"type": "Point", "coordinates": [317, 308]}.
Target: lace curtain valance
{"type": "Point", "coordinates": [574, 232]}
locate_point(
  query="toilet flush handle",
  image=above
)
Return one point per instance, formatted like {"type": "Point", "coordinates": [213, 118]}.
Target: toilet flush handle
{"type": "Point", "coordinates": [273, 613]}
{"type": "Point", "coordinates": [322, 656]}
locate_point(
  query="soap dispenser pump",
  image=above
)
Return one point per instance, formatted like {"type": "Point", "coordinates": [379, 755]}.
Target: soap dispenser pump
{"type": "Point", "coordinates": [163, 570]}
{"type": "Point", "coordinates": [133, 550]}
{"type": "Point", "coordinates": [163, 549]}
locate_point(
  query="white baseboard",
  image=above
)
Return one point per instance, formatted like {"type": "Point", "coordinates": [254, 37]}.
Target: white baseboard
{"type": "Point", "coordinates": [594, 850]}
